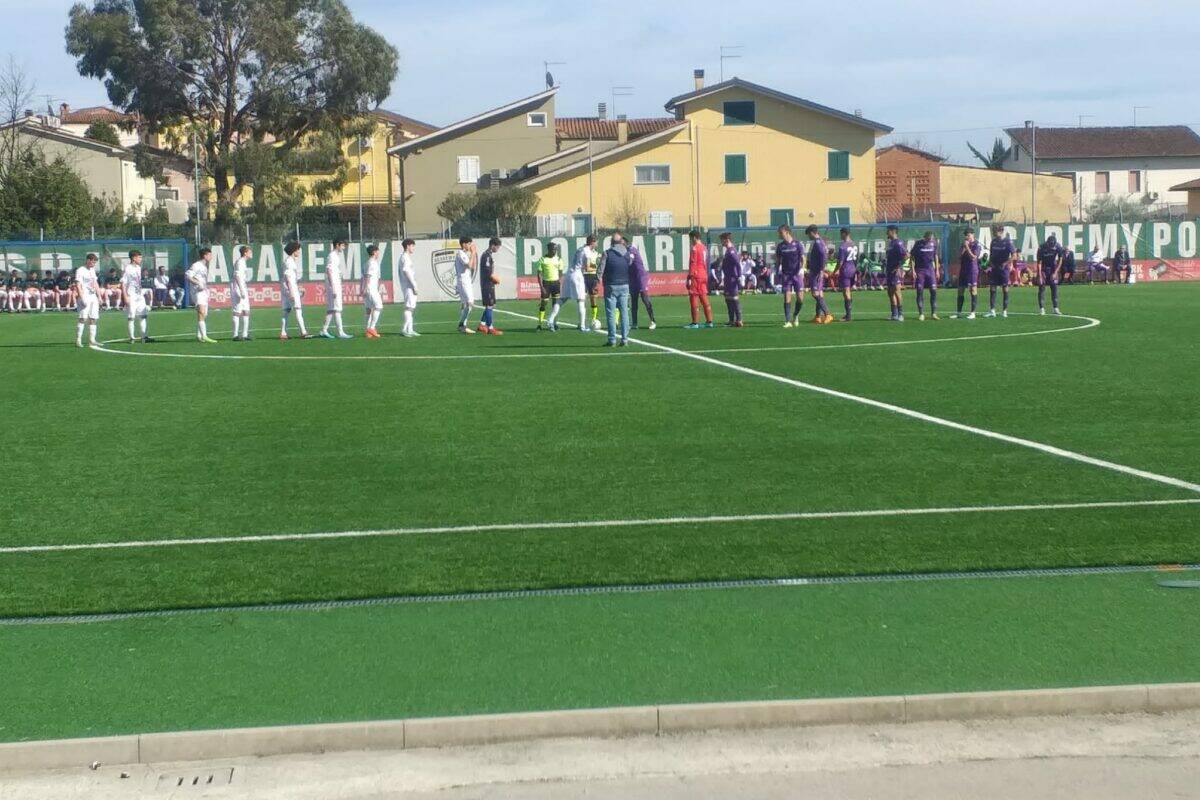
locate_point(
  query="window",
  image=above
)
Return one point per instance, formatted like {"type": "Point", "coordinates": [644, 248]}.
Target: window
{"type": "Point", "coordinates": [735, 168]}
{"type": "Point", "coordinates": [782, 216]}
{"type": "Point", "coordinates": [468, 169]}
{"type": "Point", "coordinates": [839, 165]}
{"type": "Point", "coordinates": [652, 173]}
{"type": "Point", "coordinates": [536, 119]}
{"type": "Point", "coordinates": [1135, 181]}
{"type": "Point", "coordinates": [1102, 183]}
{"type": "Point", "coordinates": [839, 216]}
{"type": "Point", "coordinates": [582, 224]}
{"type": "Point", "coordinates": [739, 112]}
{"type": "Point", "coordinates": [735, 219]}
{"type": "Point", "coordinates": [660, 219]}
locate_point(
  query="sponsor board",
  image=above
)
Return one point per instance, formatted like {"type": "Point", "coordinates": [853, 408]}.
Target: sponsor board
{"type": "Point", "coordinates": [57, 256]}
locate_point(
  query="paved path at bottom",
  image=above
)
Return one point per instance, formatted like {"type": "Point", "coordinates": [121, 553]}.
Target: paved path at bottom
{"type": "Point", "coordinates": [1135, 755]}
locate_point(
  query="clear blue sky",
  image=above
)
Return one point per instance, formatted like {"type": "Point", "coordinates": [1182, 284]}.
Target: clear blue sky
{"type": "Point", "coordinates": [952, 72]}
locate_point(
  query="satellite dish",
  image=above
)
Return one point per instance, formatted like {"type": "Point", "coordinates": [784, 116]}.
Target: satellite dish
{"type": "Point", "coordinates": [549, 80]}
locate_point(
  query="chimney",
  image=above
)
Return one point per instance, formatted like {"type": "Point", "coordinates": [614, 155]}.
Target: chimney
{"type": "Point", "coordinates": [622, 129]}
{"type": "Point", "coordinates": [698, 77]}
{"type": "Point", "coordinates": [602, 111]}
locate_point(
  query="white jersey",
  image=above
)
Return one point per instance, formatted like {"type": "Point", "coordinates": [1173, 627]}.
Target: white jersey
{"type": "Point", "coordinates": [131, 279]}
{"type": "Point", "coordinates": [88, 283]}
{"type": "Point", "coordinates": [162, 282]}
{"type": "Point", "coordinates": [197, 276]}
{"type": "Point", "coordinates": [289, 287]}
{"type": "Point", "coordinates": [238, 283]}
{"type": "Point", "coordinates": [462, 266]}
{"type": "Point", "coordinates": [370, 278]}
{"type": "Point", "coordinates": [333, 274]}
{"type": "Point", "coordinates": [408, 276]}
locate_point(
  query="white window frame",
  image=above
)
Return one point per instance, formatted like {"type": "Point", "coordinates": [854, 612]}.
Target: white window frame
{"type": "Point", "coordinates": [530, 119]}
{"type": "Point", "coordinates": [637, 182]}
{"type": "Point", "coordinates": [660, 219]}
{"type": "Point", "coordinates": [467, 161]}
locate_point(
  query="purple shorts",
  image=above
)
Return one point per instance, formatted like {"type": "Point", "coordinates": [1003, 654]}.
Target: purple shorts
{"type": "Point", "coordinates": [791, 283]}
{"type": "Point", "coordinates": [1048, 277]}
{"type": "Point", "coordinates": [925, 279]}
{"type": "Point", "coordinates": [968, 275]}
{"type": "Point", "coordinates": [895, 277]}
{"type": "Point", "coordinates": [1000, 276]}
{"type": "Point", "coordinates": [846, 281]}
{"type": "Point", "coordinates": [815, 281]}
{"type": "Point", "coordinates": [731, 287]}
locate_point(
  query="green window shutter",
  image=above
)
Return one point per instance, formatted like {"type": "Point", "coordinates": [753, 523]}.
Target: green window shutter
{"type": "Point", "coordinates": [839, 165]}
{"type": "Point", "coordinates": [839, 216]}
{"type": "Point", "coordinates": [735, 169]}
{"type": "Point", "coordinates": [739, 112]}
{"type": "Point", "coordinates": [782, 216]}
{"type": "Point", "coordinates": [735, 219]}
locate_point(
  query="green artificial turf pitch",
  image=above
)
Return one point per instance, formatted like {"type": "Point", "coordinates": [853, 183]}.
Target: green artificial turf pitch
{"type": "Point", "coordinates": [451, 430]}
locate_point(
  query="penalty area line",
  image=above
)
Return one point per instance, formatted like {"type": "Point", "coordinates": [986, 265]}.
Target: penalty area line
{"type": "Point", "coordinates": [509, 527]}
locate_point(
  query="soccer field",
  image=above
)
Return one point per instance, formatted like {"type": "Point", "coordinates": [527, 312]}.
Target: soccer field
{"type": "Point", "coordinates": [182, 475]}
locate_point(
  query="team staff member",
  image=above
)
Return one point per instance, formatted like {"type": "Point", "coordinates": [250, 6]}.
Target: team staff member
{"type": "Point", "coordinates": [488, 279]}
{"type": "Point", "coordinates": [968, 272]}
{"type": "Point", "coordinates": [549, 271]}
{"type": "Point", "coordinates": [697, 282]}
{"type": "Point", "coordinates": [616, 290]}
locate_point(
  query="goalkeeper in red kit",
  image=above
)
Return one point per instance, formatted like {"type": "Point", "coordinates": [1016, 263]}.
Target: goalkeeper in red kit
{"type": "Point", "coordinates": [697, 282]}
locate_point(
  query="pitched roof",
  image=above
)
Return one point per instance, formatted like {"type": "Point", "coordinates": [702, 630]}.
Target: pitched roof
{"type": "Point", "coordinates": [86, 116]}
{"type": "Point", "coordinates": [407, 124]}
{"type": "Point", "coordinates": [738, 83]}
{"type": "Point", "coordinates": [605, 155]}
{"type": "Point", "coordinates": [1189, 186]}
{"type": "Point", "coordinates": [1117, 142]}
{"type": "Point", "coordinates": [915, 151]}
{"type": "Point", "coordinates": [449, 132]}
{"type": "Point", "coordinates": [596, 128]}
{"type": "Point", "coordinates": [33, 127]}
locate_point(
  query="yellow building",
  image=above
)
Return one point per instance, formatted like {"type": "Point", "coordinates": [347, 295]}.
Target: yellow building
{"type": "Point", "coordinates": [738, 155]}
{"type": "Point", "coordinates": [1010, 194]}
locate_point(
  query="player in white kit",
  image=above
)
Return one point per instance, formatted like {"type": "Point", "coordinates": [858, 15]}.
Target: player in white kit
{"type": "Point", "coordinates": [289, 291]}
{"type": "Point", "coordinates": [464, 281]}
{"type": "Point", "coordinates": [573, 285]}
{"type": "Point", "coordinates": [239, 295]}
{"type": "Point", "coordinates": [408, 286]}
{"type": "Point", "coordinates": [333, 291]}
{"type": "Point", "coordinates": [197, 278]}
{"type": "Point", "coordinates": [136, 308]}
{"type": "Point", "coordinates": [372, 300]}
{"type": "Point", "coordinates": [87, 300]}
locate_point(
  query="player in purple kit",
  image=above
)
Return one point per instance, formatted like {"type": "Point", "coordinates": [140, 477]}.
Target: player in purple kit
{"type": "Point", "coordinates": [731, 274]}
{"type": "Point", "coordinates": [789, 258]}
{"type": "Point", "coordinates": [1050, 258]}
{"type": "Point", "coordinates": [895, 257]}
{"type": "Point", "coordinates": [847, 270]}
{"type": "Point", "coordinates": [1000, 256]}
{"type": "Point", "coordinates": [927, 263]}
{"type": "Point", "coordinates": [968, 272]}
{"type": "Point", "coordinates": [818, 257]}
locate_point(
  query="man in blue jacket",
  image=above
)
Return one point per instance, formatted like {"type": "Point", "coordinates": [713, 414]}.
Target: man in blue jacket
{"type": "Point", "coordinates": [615, 276]}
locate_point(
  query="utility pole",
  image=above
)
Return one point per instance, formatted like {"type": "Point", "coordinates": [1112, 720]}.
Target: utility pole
{"type": "Point", "coordinates": [196, 181]}
{"type": "Point", "coordinates": [1032, 170]}
{"type": "Point", "coordinates": [591, 196]}
{"type": "Point", "coordinates": [360, 194]}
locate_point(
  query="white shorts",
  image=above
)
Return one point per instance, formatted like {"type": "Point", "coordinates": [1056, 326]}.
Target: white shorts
{"type": "Point", "coordinates": [333, 302]}
{"type": "Point", "coordinates": [88, 309]}
{"type": "Point", "coordinates": [410, 299]}
{"type": "Point", "coordinates": [239, 305]}
{"type": "Point", "coordinates": [465, 291]}
{"type": "Point", "coordinates": [573, 287]}
{"type": "Point", "coordinates": [372, 301]}
{"type": "Point", "coordinates": [200, 298]}
{"type": "Point", "coordinates": [136, 307]}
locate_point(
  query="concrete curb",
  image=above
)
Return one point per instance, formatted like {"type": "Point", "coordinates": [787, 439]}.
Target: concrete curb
{"type": "Point", "coordinates": [152, 748]}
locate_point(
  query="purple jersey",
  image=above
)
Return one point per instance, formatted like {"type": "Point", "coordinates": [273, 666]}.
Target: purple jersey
{"type": "Point", "coordinates": [970, 255]}
{"type": "Point", "coordinates": [818, 255]}
{"type": "Point", "coordinates": [1048, 255]}
{"type": "Point", "coordinates": [847, 255]}
{"type": "Point", "coordinates": [731, 264]}
{"type": "Point", "coordinates": [896, 255]}
{"type": "Point", "coordinates": [924, 255]}
{"type": "Point", "coordinates": [1068, 264]}
{"type": "Point", "coordinates": [639, 277]}
{"type": "Point", "coordinates": [1001, 252]}
{"type": "Point", "coordinates": [789, 255]}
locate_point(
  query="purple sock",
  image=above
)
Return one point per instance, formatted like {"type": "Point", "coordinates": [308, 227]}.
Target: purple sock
{"type": "Point", "coordinates": [932, 300]}
{"type": "Point", "coordinates": [920, 301]}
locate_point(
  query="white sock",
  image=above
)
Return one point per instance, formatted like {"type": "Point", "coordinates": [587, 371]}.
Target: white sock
{"type": "Point", "coordinates": [328, 320]}
{"type": "Point", "coordinates": [408, 320]}
{"type": "Point", "coordinates": [300, 322]}
{"type": "Point", "coordinates": [373, 322]}
{"type": "Point", "coordinates": [337, 318]}
{"type": "Point", "coordinates": [92, 332]}
{"type": "Point", "coordinates": [283, 326]}
{"type": "Point", "coordinates": [582, 312]}
{"type": "Point", "coordinates": [143, 322]}
{"type": "Point", "coordinates": [79, 333]}
{"type": "Point", "coordinates": [203, 327]}
{"type": "Point", "coordinates": [131, 329]}
{"type": "Point", "coordinates": [554, 312]}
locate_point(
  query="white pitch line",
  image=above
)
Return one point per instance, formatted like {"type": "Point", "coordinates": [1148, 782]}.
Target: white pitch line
{"type": "Point", "coordinates": [586, 524]}
{"type": "Point", "coordinates": [918, 415]}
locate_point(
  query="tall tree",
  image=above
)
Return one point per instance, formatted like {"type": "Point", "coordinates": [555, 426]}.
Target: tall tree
{"type": "Point", "coordinates": [995, 159]}
{"type": "Point", "coordinates": [239, 75]}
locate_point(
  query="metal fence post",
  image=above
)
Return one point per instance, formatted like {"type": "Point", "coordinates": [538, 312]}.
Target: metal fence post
{"type": "Point", "coordinates": [297, 231]}
{"type": "Point", "coordinates": [247, 233]}
{"type": "Point", "coordinates": [349, 231]}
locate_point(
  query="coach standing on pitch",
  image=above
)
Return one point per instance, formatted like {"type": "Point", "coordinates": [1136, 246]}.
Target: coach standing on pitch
{"type": "Point", "coordinates": [615, 276]}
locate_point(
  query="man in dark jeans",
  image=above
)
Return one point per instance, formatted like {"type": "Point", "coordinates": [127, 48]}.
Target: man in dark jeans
{"type": "Point", "coordinates": [615, 277]}
{"type": "Point", "coordinates": [1121, 265]}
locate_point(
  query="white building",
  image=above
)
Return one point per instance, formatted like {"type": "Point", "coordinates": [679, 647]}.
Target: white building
{"type": "Point", "coordinates": [1122, 163]}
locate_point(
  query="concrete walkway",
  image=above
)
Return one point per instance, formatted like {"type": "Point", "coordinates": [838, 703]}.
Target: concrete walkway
{"type": "Point", "coordinates": [1118, 756]}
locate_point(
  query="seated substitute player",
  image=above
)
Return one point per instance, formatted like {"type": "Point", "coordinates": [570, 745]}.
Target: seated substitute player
{"type": "Point", "coordinates": [895, 258]}
{"type": "Point", "coordinates": [1067, 270]}
{"type": "Point", "coordinates": [14, 290]}
{"type": "Point", "coordinates": [162, 282]}
{"type": "Point", "coordinates": [847, 271]}
{"type": "Point", "coordinates": [333, 291]}
{"type": "Point", "coordinates": [574, 286]}
{"type": "Point", "coordinates": [239, 295]}
{"type": "Point", "coordinates": [818, 259]}
{"type": "Point", "coordinates": [1001, 255]}
{"type": "Point", "coordinates": [33, 292]}
{"type": "Point", "coordinates": [639, 287]}
{"type": "Point", "coordinates": [408, 287]}
{"type": "Point", "coordinates": [290, 298]}
{"type": "Point", "coordinates": [1121, 265]}
{"type": "Point", "coordinates": [1095, 264]}
{"type": "Point", "coordinates": [789, 260]}
{"type": "Point", "coordinates": [749, 282]}
{"type": "Point", "coordinates": [197, 278]}
{"type": "Point", "coordinates": [1049, 257]}
{"type": "Point", "coordinates": [488, 281]}
{"type": "Point", "coordinates": [136, 310]}
{"type": "Point", "coordinates": [87, 300]}
{"type": "Point", "coordinates": [968, 272]}
{"type": "Point", "coordinates": [697, 282]}
{"type": "Point", "coordinates": [549, 270]}
{"type": "Point", "coordinates": [369, 286]}
{"type": "Point", "coordinates": [731, 275]}
{"type": "Point", "coordinates": [927, 264]}
{"type": "Point", "coordinates": [111, 283]}
{"type": "Point", "coordinates": [49, 290]}
{"type": "Point", "coordinates": [65, 290]}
